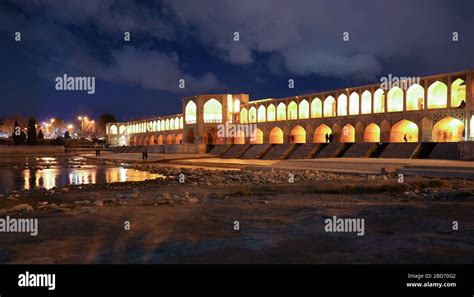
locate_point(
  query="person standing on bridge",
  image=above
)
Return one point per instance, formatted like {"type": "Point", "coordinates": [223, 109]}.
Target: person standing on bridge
{"type": "Point", "coordinates": [405, 138]}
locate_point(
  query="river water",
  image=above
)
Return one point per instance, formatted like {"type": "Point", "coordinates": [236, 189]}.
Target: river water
{"type": "Point", "coordinates": [17, 173]}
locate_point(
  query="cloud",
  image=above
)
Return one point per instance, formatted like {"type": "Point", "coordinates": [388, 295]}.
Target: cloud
{"type": "Point", "coordinates": [154, 70]}
{"type": "Point", "coordinates": [307, 34]}
{"type": "Point", "coordinates": [56, 49]}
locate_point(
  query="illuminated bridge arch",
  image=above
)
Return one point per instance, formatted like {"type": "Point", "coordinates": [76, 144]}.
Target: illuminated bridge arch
{"type": "Point", "coordinates": [330, 107]}
{"type": "Point", "coordinates": [298, 135]}
{"type": "Point", "coordinates": [292, 111]}
{"type": "Point", "coordinates": [372, 133]}
{"type": "Point", "coordinates": [303, 110]}
{"type": "Point", "coordinates": [415, 97]}
{"type": "Point", "coordinates": [212, 111]}
{"type": "Point", "coordinates": [256, 137]}
{"type": "Point", "coordinates": [316, 108]}
{"type": "Point", "coordinates": [276, 136]}
{"type": "Point", "coordinates": [320, 133]}
{"type": "Point", "coordinates": [395, 100]}
{"type": "Point", "coordinates": [437, 95]}
{"type": "Point", "coordinates": [189, 113]}
{"type": "Point", "coordinates": [366, 104]}
{"type": "Point", "coordinates": [348, 133]}
{"type": "Point", "coordinates": [281, 112]}
{"type": "Point", "coordinates": [261, 116]}
{"type": "Point", "coordinates": [402, 130]}
{"type": "Point", "coordinates": [342, 105]}
{"type": "Point", "coordinates": [271, 113]}
{"type": "Point", "coordinates": [448, 129]}
{"type": "Point", "coordinates": [458, 92]}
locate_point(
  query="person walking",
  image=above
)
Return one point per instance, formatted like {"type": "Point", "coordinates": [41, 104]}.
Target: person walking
{"type": "Point", "coordinates": [327, 138]}
{"type": "Point", "coordinates": [405, 138]}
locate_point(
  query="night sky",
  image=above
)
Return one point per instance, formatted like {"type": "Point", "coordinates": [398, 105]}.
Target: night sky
{"type": "Point", "coordinates": [194, 40]}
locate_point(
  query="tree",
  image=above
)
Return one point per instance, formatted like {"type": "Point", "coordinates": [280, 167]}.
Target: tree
{"type": "Point", "coordinates": [40, 135]}
{"type": "Point", "coordinates": [31, 131]}
{"type": "Point", "coordinates": [104, 119]}
{"type": "Point", "coordinates": [18, 136]}
{"type": "Point", "coordinates": [66, 135]}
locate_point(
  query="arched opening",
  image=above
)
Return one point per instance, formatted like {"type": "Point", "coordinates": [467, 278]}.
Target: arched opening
{"type": "Point", "coordinates": [160, 139]}
{"type": "Point", "coordinates": [372, 133]}
{"type": "Point", "coordinates": [379, 101]}
{"type": "Point", "coordinates": [252, 115]}
{"type": "Point", "coordinates": [236, 106]}
{"type": "Point", "coordinates": [122, 129]}
{"type": "Point", "coordinates": [271, 113]}
{"type": "Point", "coordinates": [458, 92]}
{"type": "Point", "coordinates": [329, 107]}
{"type": "Point", "coordinates": [179, 139]}
{"type": "Point", "coordinates": [448, 129]}
{"type": "Point", "coordinates": [171, 124]}
{"type": "Point", "coordinates": [261, 117]}
{"type": "Point", "coordinates": [292, 111]}
{"type": "Point", "coordinates": [244, 116]}
{"type": "Point", "coordinates": [151, 141]}
{"type": "Point", "coordinates": [169, 139]}
{"type": "Point", "coordinates": [256, 137]}
{"type": "Point", "coordinates": [190, 136]}
{"type": "Point", "coordinates": [176, 123]}
{"type": "Point", "coordinates": [276, 136]}
{"type": "Point", "coordinates": [113, 130]}
{"type": "Point", "coordinates": [404, 131]}
{"type": "Point", "coordinates": [320, 133]}
{"type": "Point", "coordinates": [303, 110]}
{"type": "Point", "coordinates": [348, 133]}
{"type": "Point", "coordinates": [281, 112]}
{"type": "Point", "coordinates": [437, 95]}
{"type": "Point", "coordinates": [212, 111]}
{"type": "Point", "coordinates": [298, 135]}
{"type": "Point", "coordinates": [415, 97]}
{"type": "Point", "coordinates": [316, 108]}
{"type": "Point", "coordinates": [167, 124]}
{"type": "Point", "coordinates": [190, 112]}
{"type": "Point", "coordinates": [395, 100]}
{"type": "Point", "coordinates": [366, 107]}
{"type": "Point", "coordinates": [181, 124]}
{"type": "Point", "coordinates": [342, 105]}
{"type": "Point", "coordinates": [209, 138]}
{"type": "Point", "coordinates": [354, 103]}
{"type": "Point", "coordinates": [239, 137]}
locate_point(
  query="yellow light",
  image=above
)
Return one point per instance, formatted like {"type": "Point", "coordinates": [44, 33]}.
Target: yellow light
{"type": "Point", "coordinates": [79, 118]}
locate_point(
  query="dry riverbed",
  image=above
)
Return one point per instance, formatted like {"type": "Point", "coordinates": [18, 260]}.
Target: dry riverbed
{"type": "Point", "coordinates": [279, 221]}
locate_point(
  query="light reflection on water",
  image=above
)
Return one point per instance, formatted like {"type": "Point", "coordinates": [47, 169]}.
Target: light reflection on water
{"type": "Point", "coordinates": [49, 172]}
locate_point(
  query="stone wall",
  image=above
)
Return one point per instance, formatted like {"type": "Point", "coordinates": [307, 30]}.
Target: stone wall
{"type": "Point", "coordinates": [466, 150]}
{"type": "Point", "coordinates": [30, 150]}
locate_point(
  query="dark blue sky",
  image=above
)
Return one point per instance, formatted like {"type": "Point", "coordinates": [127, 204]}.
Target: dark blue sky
{"type": "Point", "coordinates": [173, 39]}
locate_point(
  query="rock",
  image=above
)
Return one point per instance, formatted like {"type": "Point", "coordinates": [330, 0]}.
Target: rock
{"type": "Point", "coordinates": [21, 207]}
{"type": "Point", "coordinates": [126, 195]}
{"type": "Point", "coordinates": [193, 200]}
{"type": "Point", "coordinates": [82, 202]}
{"type": "Point", "coordinates": [98, 203]}
{"type": "Point", "coordinates": [42, 203]}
